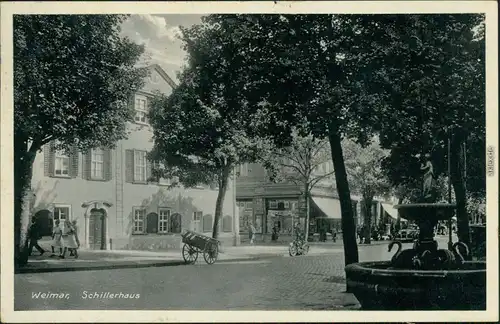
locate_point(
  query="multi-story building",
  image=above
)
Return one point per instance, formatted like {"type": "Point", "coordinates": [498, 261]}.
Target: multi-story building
{"type": "Point", "coordinates": [111, 195]}
{"type": "Point", "coordinates": [267, 204]}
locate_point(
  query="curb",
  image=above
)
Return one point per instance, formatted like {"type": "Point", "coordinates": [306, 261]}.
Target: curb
{"type": "Point", "coordinates": [131, 265]}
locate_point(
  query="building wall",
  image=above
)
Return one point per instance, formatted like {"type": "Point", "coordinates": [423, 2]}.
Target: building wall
{"type": "Point", "coordinates": [119, 198]}
{"type": "Point", "coordinates": [253, 184]}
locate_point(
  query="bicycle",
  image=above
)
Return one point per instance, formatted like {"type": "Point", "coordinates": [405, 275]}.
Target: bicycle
{"type": "Point", "coordinates": [298, 247]}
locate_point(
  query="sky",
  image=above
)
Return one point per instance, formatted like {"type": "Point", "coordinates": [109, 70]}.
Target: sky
{"type": "Point", "coordinates": [159, 35]}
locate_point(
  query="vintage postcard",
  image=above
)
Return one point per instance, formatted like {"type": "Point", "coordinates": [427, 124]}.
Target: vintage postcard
{"type": "Point", "coordinates": [249, 161]}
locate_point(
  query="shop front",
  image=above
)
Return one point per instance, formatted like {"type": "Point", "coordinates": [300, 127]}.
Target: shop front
{"type": "Point", "coordinates": [326, 215]}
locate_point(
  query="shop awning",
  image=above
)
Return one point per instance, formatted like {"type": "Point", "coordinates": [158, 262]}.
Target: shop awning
{"type": "Point", "coordinates": [393, 212]}
{"type": "Point", "coordinates": [329, 206]}
{"type": "Point", "coordinates": [390, 210]}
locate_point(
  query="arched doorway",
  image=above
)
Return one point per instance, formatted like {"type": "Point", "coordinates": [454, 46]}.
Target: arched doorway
{"type": "Point", "coordinates": [97, 229]}
{"type": "Point", "coordinates": [45, 221]}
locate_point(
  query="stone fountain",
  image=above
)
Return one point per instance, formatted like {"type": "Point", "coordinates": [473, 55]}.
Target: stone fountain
{"type": "Point", "coordinates": [423, 277]}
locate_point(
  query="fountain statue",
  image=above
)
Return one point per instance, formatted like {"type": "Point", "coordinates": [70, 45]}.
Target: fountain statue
{"type": "Point", "coordinates": [423, 277]}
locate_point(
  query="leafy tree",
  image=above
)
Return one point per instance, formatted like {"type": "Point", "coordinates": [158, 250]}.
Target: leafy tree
{"type": "Point", "coordinates": [365, 173]}
{"type": "Point", "coordinates": [302, 67]}
{"type": "Point", "coordinates": [434, 92]}
{"type": "Point", "coordinates": [73, 77]}
{"type": "Point", "coordinates": [201, 130]}
{"type": "Point", "coordinates": [300, 163]}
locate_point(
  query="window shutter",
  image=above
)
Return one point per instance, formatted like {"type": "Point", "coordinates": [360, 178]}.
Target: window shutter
{"type": "Point", "coordinates": [87, 164]}
{"type": "Point", "coordinates": [48, 157]}
{"type": "Point", "coordinates": [108, 169]}
{"type": "Point", "coordinates": [129, 166]}
{"type": "Point", "coordinates": [73, 162]}
{"type": "Point", "coordinates": [148, 172]}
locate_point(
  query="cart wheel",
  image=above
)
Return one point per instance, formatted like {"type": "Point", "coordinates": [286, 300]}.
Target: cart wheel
{"type": "Point", "coordinates": [189, 253]}
{"type": "Point", "coordinates": [292, 250]}
{"type": "Point", "coordinates": [211, 252]}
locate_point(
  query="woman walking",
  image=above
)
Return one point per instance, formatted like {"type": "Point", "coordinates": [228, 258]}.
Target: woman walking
{"type": "Point", "coordinates": [251, 232]}
{"type": "Point", "coordinates": [57, 241]}
{"type": "Point", "coordinates": [70, 239]}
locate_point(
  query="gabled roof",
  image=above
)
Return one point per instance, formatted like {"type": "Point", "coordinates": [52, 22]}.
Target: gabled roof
{"type": "Point", "coordinates": [163, 74]}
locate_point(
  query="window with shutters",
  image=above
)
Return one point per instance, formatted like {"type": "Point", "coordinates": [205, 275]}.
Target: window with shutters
{"type": "Point", "coordinates": [61, 163]}
{"type": "Point", "coordinates": [164, 220]}
{"type": "Point", "coordinates": [141, 112]}
{"type": "Point", "coordinates": [139, 217]}
{"type": "Point", "coordinates": [137, 167]}
{"type": "Point", "coordinates": [97, 164]}
{"type": "Point", "coordinates": [140, 166]}
{"type": "Point", "coordinates": [273, 204]}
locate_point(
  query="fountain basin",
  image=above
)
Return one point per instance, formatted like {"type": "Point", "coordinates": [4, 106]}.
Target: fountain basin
{"type": "Point", "coordinates": [377, 287]}
{"type": "Point", "coordinates": [427, 211]}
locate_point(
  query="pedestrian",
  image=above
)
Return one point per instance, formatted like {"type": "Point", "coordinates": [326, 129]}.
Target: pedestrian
{"type": "Point", "coordinates": [70, 239]}
{"type": "Point", "coordinates": [74, 251]}
{"type": "Point", "coordinates": [334, 235]}
{"type": "Point", "coordinates": [34, 235]}
{"type": "Point", "coordinates": [298, 232]}
{"type": "Point", "coordinates": [251, 231]}
{"type": "Point", "coordinates": [274, 235]}
{"type": "Point", "coordinates": [57, 241]}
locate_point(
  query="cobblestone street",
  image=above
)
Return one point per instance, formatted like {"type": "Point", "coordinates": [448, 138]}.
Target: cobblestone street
{"type": "Point", "coordinates": [315, 282]}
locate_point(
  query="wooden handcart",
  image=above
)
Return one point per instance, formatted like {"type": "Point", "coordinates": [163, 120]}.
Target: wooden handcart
{"type": "Point", "coordinates": [195, 243]}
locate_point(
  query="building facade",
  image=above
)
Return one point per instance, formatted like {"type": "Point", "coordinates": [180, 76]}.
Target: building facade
{"type": "Point", "coordinates": [111, 195]}
{"type": "Point", "coordinates": [270, 205]}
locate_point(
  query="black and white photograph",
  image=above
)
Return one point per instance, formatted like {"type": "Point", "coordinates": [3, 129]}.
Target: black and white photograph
{"type": "Point", "coordinates": [319, 159]}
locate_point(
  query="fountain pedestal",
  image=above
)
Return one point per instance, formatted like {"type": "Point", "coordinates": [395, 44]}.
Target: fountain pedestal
{"type": "Point", "coordinates": [422, 278]}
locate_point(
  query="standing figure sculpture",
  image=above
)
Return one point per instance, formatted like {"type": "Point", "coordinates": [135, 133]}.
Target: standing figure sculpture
{"type": "Point", "coordinates": [428, 183]}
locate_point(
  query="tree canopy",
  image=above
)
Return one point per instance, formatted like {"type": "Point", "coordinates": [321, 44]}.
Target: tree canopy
{"type": "Point", "coordinates": [73, 79]}
{"type": "Point", "coordinates": [202, 131]}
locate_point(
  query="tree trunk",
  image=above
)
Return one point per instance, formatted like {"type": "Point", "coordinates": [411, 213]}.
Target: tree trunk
{"type": "Point", "coordinates": [347, 220]}
{"type": "Point", "coordinates": [457, 180]}
{"type": "Point", "coordinates": [367, 204]}
{"type": "Point", "coordinates": [306, 233]}
{"type": "Point", "coordinates": [23, 173]}
{"type": "Point", "coordinates": [219, 204]}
